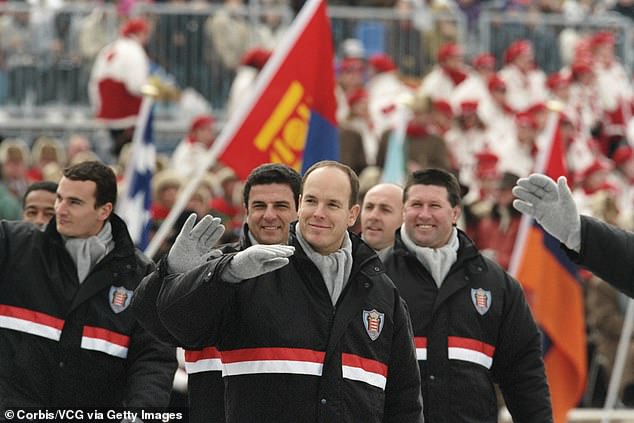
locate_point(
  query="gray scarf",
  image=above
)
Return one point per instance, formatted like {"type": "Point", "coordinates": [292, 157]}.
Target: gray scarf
{"type": "Point", "coordinates": [335, 268]}
{"type": "Point", "coordinates": [86, 252]}
{"type": "Point", "coordinates": [437, 261]}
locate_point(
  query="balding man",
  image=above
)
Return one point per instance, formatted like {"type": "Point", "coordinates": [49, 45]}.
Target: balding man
{"type": "Point", "coordinates": [381, 216]}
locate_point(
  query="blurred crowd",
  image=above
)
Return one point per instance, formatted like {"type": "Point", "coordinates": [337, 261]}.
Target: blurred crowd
{"type": "Point", "coordinates": [486, 115]}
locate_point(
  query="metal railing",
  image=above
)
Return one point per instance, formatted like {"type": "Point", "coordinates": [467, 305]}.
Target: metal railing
{"type": "Point", "coordinates": [498, 29]}
{"type": "Point", "coordinates": [46, 55]}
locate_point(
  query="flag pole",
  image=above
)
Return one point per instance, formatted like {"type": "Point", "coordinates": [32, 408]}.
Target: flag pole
{"type": "Point", "coordinates": [234, 123]}
{"type": "Point", "coordinates": [540, 167]}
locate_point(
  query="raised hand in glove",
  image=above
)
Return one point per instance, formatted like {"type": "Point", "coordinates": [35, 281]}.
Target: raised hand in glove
{"type": "Point", "coordinates": [257, 260]}
{"type": "Point", "coordinates": [552, 205]}
{"type": "Point", "coordinates": [194, 244]}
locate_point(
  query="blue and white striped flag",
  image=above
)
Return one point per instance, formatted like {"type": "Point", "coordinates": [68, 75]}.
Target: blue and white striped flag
{"type": "Point", "coordinates": [136, 196]}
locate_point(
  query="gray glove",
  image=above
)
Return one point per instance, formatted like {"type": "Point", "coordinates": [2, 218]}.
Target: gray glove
{"type": "Point", "coordinates": [193, 245]}
{"type": "Point", "coordinates": [552, 205]}
{"type": "Point", "coordinates": [257, 260]}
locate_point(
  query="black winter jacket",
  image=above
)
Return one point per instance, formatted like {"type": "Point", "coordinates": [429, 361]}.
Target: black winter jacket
{"type": "Point", "coordinates": [68, 344]}
{"type": "Point", "coordinates": [608, 252]}
{"type": "Point", "coordinates": [475, 330]}
{"type": "Point", "coordinates": [288, 354]}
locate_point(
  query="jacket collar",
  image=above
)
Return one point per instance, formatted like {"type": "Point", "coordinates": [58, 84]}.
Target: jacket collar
{"type": "Point", "coordinates": [364, 258]}
{"type": "Point", "coordinates": [123, 245]}
{"type": "Point", "coordinates": [467, 250]}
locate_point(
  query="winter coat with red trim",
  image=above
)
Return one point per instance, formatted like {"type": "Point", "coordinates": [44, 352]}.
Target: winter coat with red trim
{"type": "Point", "coordinates": [463, 349]}
{"type": "Point", "coordinates": [205, 387]}
{"type": "Point", "coordinates": [288, 354]}
{"type": "Point", "coordinates": [66, 344]}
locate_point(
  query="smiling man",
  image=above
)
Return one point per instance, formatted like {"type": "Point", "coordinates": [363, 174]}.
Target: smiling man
{"type": "Point", "coordinates": [381, 216]}
{"type": "Point", "coordinates": [270, 199]}
{"type": "Point", "coordinates": [310, 331]}
{"type": "Point", "coordinates": [472, 325]}
{"type": "Point", "coordinates": [67, 335]}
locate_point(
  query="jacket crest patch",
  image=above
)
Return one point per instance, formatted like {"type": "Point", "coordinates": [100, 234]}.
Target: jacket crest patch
{"type": "Point", "coordinates": [373, 322]}
{"type": "Point", "coordinates": [481, 299]}
{"type": "Point", "coordinates": [119, 298]}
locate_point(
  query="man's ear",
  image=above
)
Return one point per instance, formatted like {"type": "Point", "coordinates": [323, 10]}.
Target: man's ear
{"type": "Point", "coordinates": [105, 210]}
{"type": "Point", "coordinates": [354, 213]}
{"type": "Point", "coordinates": [457, 211]}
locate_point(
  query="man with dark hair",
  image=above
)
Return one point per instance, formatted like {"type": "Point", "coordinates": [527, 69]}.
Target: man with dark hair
{"type": "Point", "coordinates": [38, 203]}
{"type": "Point", "coordinates": [270, 200]}
{"type": "Point", "coordinates": [67, 335]}
{"type": "Point", "coordinates": [472, 325]}
{"type": "Point", "coordinates": [310, 331]}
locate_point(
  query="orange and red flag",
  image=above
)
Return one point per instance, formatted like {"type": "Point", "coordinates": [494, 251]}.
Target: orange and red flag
{"type": "Point", "coordinates": [553, 291]}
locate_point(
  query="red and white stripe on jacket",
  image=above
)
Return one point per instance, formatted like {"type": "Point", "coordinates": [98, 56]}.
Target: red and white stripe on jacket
{"type": "Point", "coordinates": [283, 360]}
{"type": "Point", "coordinates": [30, 321]}
{"type": "Point", "coordinates": [459, 348]}
{"type": "Point", "coordinates": [46, 326]}
{"type": "Point", "coordinates": [106, 341]}
{"type": "Point", "coordinates": [205, 360]}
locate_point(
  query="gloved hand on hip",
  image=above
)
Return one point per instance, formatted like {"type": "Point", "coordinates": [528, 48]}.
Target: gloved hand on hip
{"type": "Point", "coordinates": [257, 260]}
{"type": "Point", "coordinates": [552, 205]}
{"type": "Point", "coordinates": [194, 244]}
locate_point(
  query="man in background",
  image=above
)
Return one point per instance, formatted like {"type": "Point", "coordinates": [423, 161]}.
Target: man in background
{"type": "Point", "coordinates": [381, 216]}
{"type": "Point", "coordinates": [270, 199]}
{"type": "Point", "coordinates": [39, 203]}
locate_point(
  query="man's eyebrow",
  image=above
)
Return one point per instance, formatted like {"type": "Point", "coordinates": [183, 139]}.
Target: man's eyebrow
{"type": "Point", "coordinates": [81, 200]}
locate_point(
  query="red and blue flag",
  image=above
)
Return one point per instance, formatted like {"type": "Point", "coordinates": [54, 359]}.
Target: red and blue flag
{"type": "Point", "coordinates": [290, 117]}
{"type": "Point", "coordinates": [553, 291]}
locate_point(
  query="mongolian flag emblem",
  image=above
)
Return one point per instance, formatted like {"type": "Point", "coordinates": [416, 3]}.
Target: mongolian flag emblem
{"type": "Point", "coordinates": [373, 322]}
{"type": "Point", "coordinates": [481, 300]}
{"type": "Point", "coordinates": [119, 298]}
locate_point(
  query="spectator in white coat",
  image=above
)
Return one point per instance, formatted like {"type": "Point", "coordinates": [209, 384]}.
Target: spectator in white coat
{"type": "Point", "coordinates": [525, 84]}
{"type": "Point", "coordinates": [190, 152]}
{"type": "Point", "coordinates": [120, 71]}
{"type": "Point", "coordinates": [446, 75]}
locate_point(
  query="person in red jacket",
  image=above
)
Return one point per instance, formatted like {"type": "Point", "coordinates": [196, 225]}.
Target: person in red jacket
{"type": "Point", "coordinates": [120, 71]}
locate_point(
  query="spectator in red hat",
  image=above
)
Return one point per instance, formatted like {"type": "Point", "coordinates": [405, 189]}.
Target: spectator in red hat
{"type": "Point", "coordinates": [466, 139]}
{"type": "Point", "coordinates": [584, 96]}
{"type": "Point", "coordinates": [594, 181]}
{"type": "Point", "coordinates": [251, 64]}
{"type": "Point", "coordinates": [614, 86]}
{"type": "Point", "coordinates": [497, 223]}
{"type": "Point", "coordinates": [351, 73]}
{"type": "Point", "coordinates": [118, 74]}
{"type": "Point", "coordinates": [559, 86]}
{"type": "Point", "coordinates": [474, 87]}
{"type": "Point", "coordinates": [446, 75]}
{"type": "Point", "coordinates": [519, 153]}
{"type": "Point", "coordinates": [385, 91]}
{"type": "Point", "coordinates": [190, 152]}
{"type": "Point", "coordinates": [525, 84]}
{"type": "Point", "coordinates": [496, 114]}
{"type": "Point", "coordinates": [358, 142]}
{"type": "Point", "coordinates": [441, 118]}
{"type": "Point", "coordinates": [579, 149]}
